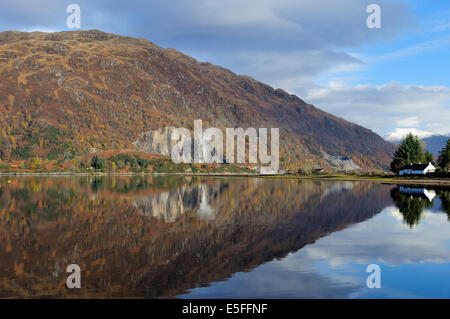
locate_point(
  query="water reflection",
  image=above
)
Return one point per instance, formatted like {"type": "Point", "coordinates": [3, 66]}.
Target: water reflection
{"type": "Point", "coordinates": [415, 262]}
{"type": "Point", "coordinates": [170, 236]}
{"type": "Point", "coordinates": [412, 201]}
{"type": "Point", "coordinates": [170, 205]}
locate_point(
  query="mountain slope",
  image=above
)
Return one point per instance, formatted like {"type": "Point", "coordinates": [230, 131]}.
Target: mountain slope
{"type": "Point", "coordinates": [435, 143]}
{"type": "Point", "coordinates": [62, 94]}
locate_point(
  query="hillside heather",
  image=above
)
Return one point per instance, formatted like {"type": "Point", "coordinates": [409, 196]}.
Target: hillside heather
{"type": "Point", "coordinates": [64, 94]}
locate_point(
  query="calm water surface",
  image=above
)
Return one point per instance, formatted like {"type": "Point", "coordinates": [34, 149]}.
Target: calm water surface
{"type": "Point", "coordinates": [187, 237]}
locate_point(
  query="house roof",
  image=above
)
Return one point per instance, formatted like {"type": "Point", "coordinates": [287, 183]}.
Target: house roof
{"type": "Point", "coordinates": [416, 167]}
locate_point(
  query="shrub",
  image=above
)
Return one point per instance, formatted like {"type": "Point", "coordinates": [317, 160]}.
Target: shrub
{"type": "Point", "coordinates": [34, 163]}
{"type": "Point", "coordinates": [143, 162]}
{"type": "Point", "coordinates": [98, 163]}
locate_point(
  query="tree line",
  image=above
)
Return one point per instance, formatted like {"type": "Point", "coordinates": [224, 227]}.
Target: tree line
{"type": "Point", "coordinates": [410, 151]}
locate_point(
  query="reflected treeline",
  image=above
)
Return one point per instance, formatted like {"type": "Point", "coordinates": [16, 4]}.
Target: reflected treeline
{"type": "Point", "coordinates": [159, 236]}
{"type": "Point", "coordinates": [132, 184]}
{"type": "Point", "coordinates": [412, 201]}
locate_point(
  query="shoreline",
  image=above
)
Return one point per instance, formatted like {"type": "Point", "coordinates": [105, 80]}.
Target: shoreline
{"type": "Point", "coordinates": [334, 178]}
{"type": "Point", "coordinates": [387, 180]}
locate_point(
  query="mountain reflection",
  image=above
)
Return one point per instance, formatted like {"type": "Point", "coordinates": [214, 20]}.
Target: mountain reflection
{"type": "Point", "coordinates": [169, 206]}
{"type": "Point", "coordinates": [412, 201]}
{"type": "Point", "coordinates": [160, 236]}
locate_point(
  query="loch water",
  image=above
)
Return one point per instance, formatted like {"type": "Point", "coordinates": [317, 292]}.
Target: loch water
{"type": "Point", "coordinates": [217, 237]}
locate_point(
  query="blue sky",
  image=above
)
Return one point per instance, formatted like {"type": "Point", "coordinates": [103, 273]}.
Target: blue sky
{"type": "Point", "coordinates": [392, 79]}
{"type": "Point", "coordinates": [414, 264]}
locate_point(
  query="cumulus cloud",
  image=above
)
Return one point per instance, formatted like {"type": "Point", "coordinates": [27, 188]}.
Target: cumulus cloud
{"type": "Point", "coordinates": [374, 106]}
{"type": "Point", "coordinates": [291, 36]}
{"type": "Point", "coordinates": [398, 245]}
{"type": "Point", "coordinates": [335, 266]}
{"type": "Point", "coordinates": [289, 44]}
{"type": "Point", "coordinates": [399, 133]}
{"type": "Point", "coordinates": [280, 68]}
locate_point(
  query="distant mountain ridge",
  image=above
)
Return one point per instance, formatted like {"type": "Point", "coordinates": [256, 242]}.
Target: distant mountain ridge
{"type": "Point", "coordinates": [65, 93]}
{"type": "Point", "coordinates": [433, 144]}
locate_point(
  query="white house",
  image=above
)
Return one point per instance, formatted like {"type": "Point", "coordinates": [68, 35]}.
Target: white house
{"type": "Point", "coordinates": [417, 169]}
{"type": "Point", "coordinates": [428, 193]}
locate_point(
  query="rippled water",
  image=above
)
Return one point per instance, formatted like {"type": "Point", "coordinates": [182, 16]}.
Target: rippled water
{"type": "Point", "coordinates": [192, 237]}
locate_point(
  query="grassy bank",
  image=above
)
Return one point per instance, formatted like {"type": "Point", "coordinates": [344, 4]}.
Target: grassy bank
{"type": "Point", "coordinates": [387, 179]}
{"type": "Point", "coordinates": [116, 163]}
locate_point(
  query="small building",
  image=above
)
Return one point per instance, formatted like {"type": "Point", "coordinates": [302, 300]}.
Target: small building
{"type": "Point", "coordinates": [417, 169]}
{"type": "Point", "coordinates": [319, 171]}
{"type": "Point", "coordinates": [430, 194]}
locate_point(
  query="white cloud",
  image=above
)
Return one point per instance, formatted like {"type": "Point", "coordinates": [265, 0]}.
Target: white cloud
{"type": "Point", "coordinates": [334, 266]}
{"type": "Point", "coordinates": [399, 133]}
{"type": "Point", "coordinates": [280, 68]}
{"type": "Point", "coordinates": [415, 49]}
{"type": "Point", "coordinates": [399, 244]}
{"type": "Point", "coordinates": [39, 29]}
{"type": "Point", "coordinates": [287, 43]}
{"type": "Point", "coordinates": [409, 121]}
{"type": "Point", "coordinates": [295, 38]}
{"type": "Point", "coordinates": [386, 107]}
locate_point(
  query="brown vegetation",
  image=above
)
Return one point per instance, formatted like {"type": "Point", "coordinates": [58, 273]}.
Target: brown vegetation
{"type": "Point", "coordinates": [62, 94]}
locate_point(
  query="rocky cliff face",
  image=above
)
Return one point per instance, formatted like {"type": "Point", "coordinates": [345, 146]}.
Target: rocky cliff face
{"type": "Point", "coordinates": [341, 163]}
{"type": "Point", "coordinates": [156, 142]}
{"type": "Point", "coordinates": [63, 93]}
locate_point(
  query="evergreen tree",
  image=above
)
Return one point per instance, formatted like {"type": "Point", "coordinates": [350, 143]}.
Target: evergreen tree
{"type": "Point", "coordinates": [409, 152]}
{"type": "Point", "coordinates": [429, 157]}
{"type": "Point", "coordinates": [98, 163]}
{"type": "Point", "coordinates": [444, 156]}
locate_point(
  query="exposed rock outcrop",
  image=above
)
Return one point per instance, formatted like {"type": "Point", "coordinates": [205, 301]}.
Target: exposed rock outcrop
{"type": "Point", "coordinates": [341, 163]}
{"type": "Point", "coordinates": [156, 141]}
{"type": "Point", "coordinates": [94, 89]}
